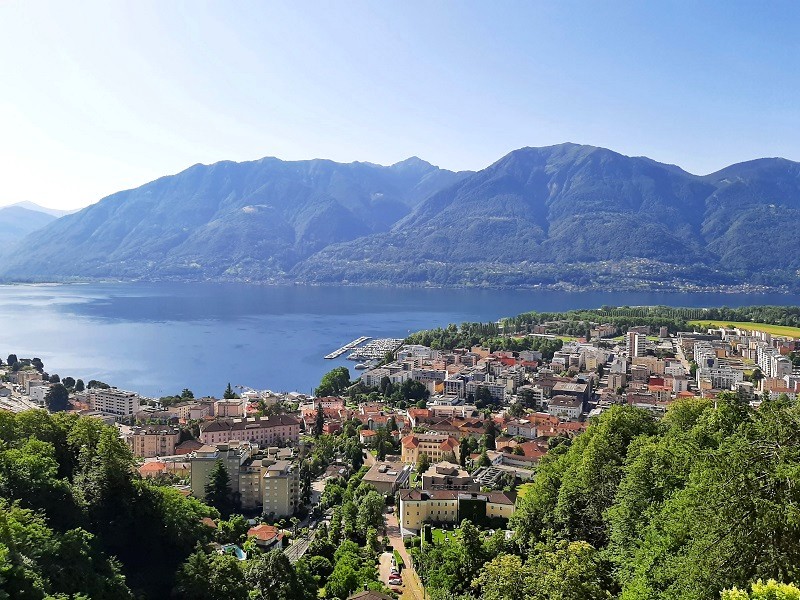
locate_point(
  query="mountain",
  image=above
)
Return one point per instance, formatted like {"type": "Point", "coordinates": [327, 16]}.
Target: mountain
{"type": "Point", "coordinates": [53, 212]}
{"type": "Point", "coordinates": [566, 215]}
{"type": "Point", "coordinates": [251, 220]}
{"type": "Point", "coordinates": [17, 222]}
{"type": "Point", "coordinates": [585, 216]}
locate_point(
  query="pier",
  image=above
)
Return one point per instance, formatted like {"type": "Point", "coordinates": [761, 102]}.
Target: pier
{"type": "Point", "coordinates": [338, 352]}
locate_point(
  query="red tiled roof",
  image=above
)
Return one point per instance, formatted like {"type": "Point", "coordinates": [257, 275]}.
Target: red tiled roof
{"type": "Point", "coordinates": [264, 532]}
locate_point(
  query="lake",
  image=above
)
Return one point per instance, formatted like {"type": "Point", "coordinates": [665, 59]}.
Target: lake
{"type": "Point", "coordinates": [158, 338]}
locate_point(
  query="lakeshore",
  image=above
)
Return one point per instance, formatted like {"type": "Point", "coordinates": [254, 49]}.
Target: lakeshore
{"type": "Point", "coordinates": [159, 338]}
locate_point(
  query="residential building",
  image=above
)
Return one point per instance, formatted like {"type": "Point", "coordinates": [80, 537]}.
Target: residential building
{"type": "Point", "coordinates": [281, 487]}
{"type": "Point", "coordinates": [388, 476]}
{"type": "Point", "coordinates": [418, 507]}
{"type": "Point", "coordinates": [565, 407]}
{"type": "Point", "coordinates": [266, 537]}
{"type": "Point", "coordinates": [153, 440]}
{"type": "Point", "coordinates": [113, 401]}
{"type": "Point", "coordinates": [233, 455]}
{"type": "Point", "coordinates": [264, 431]}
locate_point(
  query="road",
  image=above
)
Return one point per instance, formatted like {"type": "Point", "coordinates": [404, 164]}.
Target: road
{"type": "Point", "coordinates": [412, 586]}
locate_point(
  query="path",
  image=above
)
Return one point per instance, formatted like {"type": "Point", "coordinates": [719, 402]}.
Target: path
{"type": "Point", "coordinates": [412, 586]}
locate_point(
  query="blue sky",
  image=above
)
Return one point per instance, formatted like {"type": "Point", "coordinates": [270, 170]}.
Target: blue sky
{"type": "Point", "coordinates": [102, 96]}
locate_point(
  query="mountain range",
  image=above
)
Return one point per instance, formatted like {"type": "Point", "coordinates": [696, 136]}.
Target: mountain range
{"type": "Point", "coordinates": [567, 215]}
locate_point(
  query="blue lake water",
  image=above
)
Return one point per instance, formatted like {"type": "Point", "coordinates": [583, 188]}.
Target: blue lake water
{"type": "Point", "coordinates": [158, 338]}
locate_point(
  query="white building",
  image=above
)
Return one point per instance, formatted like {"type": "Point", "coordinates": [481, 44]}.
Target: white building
{"type": "Point", "coordinates": [112, 401]}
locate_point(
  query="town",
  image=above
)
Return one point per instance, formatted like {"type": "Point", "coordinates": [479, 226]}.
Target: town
{"type": "Point", "coordinates": [428, 447]}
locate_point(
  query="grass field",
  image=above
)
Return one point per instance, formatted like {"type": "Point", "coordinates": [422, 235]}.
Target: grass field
{"type": "Point", "coordinates": [771, 329]}
{"type": "Point", "coordinates": [438, 535]}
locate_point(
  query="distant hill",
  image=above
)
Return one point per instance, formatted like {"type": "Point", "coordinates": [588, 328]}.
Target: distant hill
{"type": "Point", "coordinates": [568, 215]}
{"type": "Point", "coordinates": [17, 222]}
{"type": "Point", "coordinates": [54, 212]}
{"type": "Point", "coordinates": [252, 220]}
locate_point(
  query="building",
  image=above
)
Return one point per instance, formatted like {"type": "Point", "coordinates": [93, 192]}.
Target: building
{"type": "Point", "coordinates": [233, 455]}
{"type": "Point", "coordinates": [281, 489]}
{"type": "Point", "coordinates": [266, 537]}
{"type": "Point", "coordinates": [418, 507]}
{"type": "Point", "coordinates": [634, 343]}
{"type": "Point", "coordinates": [448, 476]}
{"type": "Point", "coordinates": [112, 401]}
{"type": "Point", "coordinates": [264, 431]}
{"type": "Point", "coordinates": [437, 446]}
{"type": "Point", "coordinates": [230, 408]}
{"type": "Point", "coordinates": [387, 477]}
{"type": "Point", "coordinates": [565, 407]}
{"type": "Point", "coordinates": [153, 440]}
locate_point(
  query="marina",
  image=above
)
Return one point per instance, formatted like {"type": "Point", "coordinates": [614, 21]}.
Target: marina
{"type": "Point", "coordinates": [338, 352]}
{"type": "Point", "coordinates": [376, 349]}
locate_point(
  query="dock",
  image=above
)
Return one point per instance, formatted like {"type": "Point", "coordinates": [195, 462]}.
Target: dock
{"type": "Point", "coordinates": [338, 352]}
{"type": "Point", "coordinates": [376, 349]}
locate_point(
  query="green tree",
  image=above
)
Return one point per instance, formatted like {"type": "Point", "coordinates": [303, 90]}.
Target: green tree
{"type": "Point", "coordinates": [423, 463]}
{"type": "Point", "coordinates": [57, 398]}
{"type": "Point", "coordinates": [54, 378]}
{"type": "Point", "coordinates": [187, 394]}
{"type": "Point", "coordinates": [483, 460]}
{"type": "Point", "coordinates": [68, 382]}
{"type": "Point", "coordinates": [370, 513]}
{"type": "Point", "coordinates": [272, 577]}
{"type": "Point", "coordinates": [229, 394]}
{"type": "Point", "coordinates": [771, 590]}
{"type": "Point", "coordinates": [79, 386]}
{"type": "Point", "coordinates": [334, 382]}
{"type": "Point", "coordinates": [319, 421]}
{"type": "Point", "coordinates": [217, 489]}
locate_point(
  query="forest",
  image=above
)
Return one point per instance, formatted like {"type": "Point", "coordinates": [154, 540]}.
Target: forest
{"type": "Point", "coordinates": [499, 335]}
{"type": "Point", "coordinates": [704, 500]}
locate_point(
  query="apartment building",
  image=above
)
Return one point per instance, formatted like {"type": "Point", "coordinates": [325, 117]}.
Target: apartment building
{"type": "Point", "coordinates": [281, 489]}
{"type": "Point", "coordinates": [233, 455]}
{"type": "Point", "coordinates": [112, 401]}
{"type": "Point", "coordinates": [264, 431]}
{"type": "Point", "coordinates": [153, 440]}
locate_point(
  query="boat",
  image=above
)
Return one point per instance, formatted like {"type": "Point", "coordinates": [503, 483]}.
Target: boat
{"type": "Point", "coordinates": [361, 366]}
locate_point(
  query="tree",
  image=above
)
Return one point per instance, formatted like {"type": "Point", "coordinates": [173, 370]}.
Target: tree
{"type": "Point", "coordinates": [503, 578]}
{"type": "Point", "coordinates": [12, 359]}
{"type": "Point", "coordinates": [334, 382]}
{"type": "Point", "coordinates": [187, 394]}
{"type": "Point", "coordinates": [483, 460]}
{"type": "Point", "coordinates": [516, 410]}
{"type": "Point", "coordinates": [463, 450]}
{"type": "Point", "coordinates": [319, 421]}
{"type": "Point", "coordinates": [370, 513]}
{"type": "Point", "coordinates": [423, 462]}
{"type": "Point", "coordinates": [228, 394]}
{"type": "Point", "coordinates": [771, 590]}
{"type": "Point", "coordinates": [68, 382]}
{"type": "Point", "coordinates": [218, 488]}
{"type": "Point", "coordinates": [272, 577]}
{"type": "Point", "coordinates": [57, 398]}
{"type": "Point", "coordinates": [79, 386]}
{"type": "Point", "coordinates": [54, 378]}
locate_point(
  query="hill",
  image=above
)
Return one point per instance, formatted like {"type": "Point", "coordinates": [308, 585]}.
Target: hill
{"type": "Point", "coordinates": [16, 222]}
{"type": "Point", "coordinates": [252, 220]}
{"type": "Point", "coordinates": [566, 215]}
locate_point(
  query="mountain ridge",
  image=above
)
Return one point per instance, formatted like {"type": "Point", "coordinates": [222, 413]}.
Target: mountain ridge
{"type": "Point", "coordinates": [567, 214]}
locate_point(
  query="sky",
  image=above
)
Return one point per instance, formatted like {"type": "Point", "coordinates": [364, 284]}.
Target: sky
{"type": "Point", "coordinates": [96, 97]}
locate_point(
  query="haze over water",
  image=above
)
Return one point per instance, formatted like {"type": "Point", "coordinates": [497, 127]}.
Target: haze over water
{"type": "Point", "coordinates": [158, 338]}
